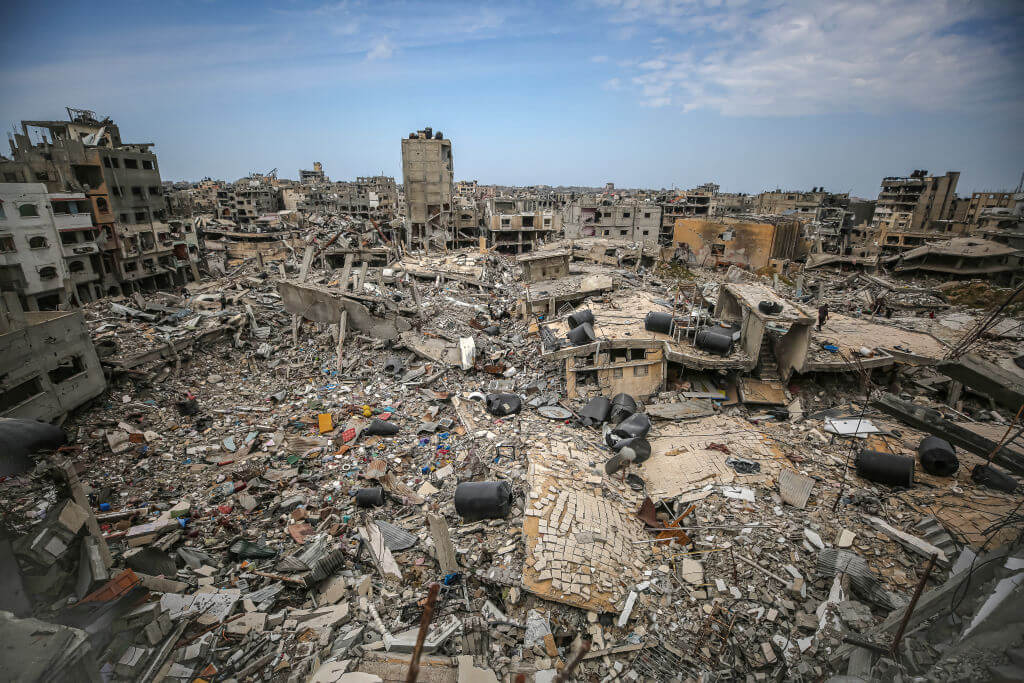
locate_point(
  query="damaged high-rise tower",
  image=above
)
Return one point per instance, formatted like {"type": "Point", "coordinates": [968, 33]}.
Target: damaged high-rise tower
{"type": "Point", "coordinates": [427, 173]}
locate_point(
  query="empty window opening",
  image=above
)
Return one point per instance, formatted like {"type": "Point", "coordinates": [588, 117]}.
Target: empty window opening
{"type": "Point", "coordinates": [38, 242]}
{"type": "Point", "coordinates": [19, 394]}
{"type": "Point", "coordinates": [28, 210]}
{"type": "Point", "coordinates": [66, 369]}
{"type": "Point", "coordinates": [47, 272]}
{"type": "Point", "coordinates": [131, 163]}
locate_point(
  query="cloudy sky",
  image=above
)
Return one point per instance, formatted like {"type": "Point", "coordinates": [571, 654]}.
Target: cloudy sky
{"type": "Point", "coordinates": [751, 94]}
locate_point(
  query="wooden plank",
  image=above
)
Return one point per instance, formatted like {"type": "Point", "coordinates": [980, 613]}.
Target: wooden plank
{"type": "Point", "coordinates": [442, 544]}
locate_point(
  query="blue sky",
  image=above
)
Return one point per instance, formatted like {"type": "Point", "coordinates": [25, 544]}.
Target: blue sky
{"type": "Point", "coordinates": [753, 95]}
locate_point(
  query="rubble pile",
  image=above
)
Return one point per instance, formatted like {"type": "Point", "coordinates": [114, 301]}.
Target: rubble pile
{"type": "Point", "coordinates": [288, 475]}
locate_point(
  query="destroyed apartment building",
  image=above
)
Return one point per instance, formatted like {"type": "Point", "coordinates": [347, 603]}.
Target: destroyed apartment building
{"type": "Point", "coordinates": [378, 451]}
{"type": "Point", "coordinates": [125, 216]}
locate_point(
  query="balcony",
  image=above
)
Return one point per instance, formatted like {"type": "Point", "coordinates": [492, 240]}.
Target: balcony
{"type": "Point", "coordinates": [80, 249]}
{"type": "Point", "coordinates": [72, 221]}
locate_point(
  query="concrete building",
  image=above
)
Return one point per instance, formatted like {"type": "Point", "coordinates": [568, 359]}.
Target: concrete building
{"type": "Point", "coordinates": [518, 233]}
{"type": "Point", "coordinates": [750, 244]}
{"type": "Point", "coordinates": [248, 199]}
{"type": "Point", "coordinates": [730, 203]}
{"type": "Point", "coordinates": [467, 222]}
{"type": "Point", "coordinates": [982, 201]}
{"type": "Point", "coordinates": [48, 365]}
{"type": "Point", "coordinates": [628, 220]}
{"type": "Point", "coordinates": [911, 210]}
{"type": "Point", "coordinates": [428, 180]}
{"type": "Point", "coordinates": [121, 182]}
{"type": "Point", "coordinates": [544, 265]}
{"type": "Point", "coordinates": [690, 204]}
{"type": "Point", "coordinates": [314, 177]}
{"type": "Point", "coordinates": [31, 257]}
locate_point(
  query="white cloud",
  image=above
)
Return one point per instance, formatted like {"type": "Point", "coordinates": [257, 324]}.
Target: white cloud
{"type": "Point", "coordinates": [612, 84]}
{"type": "Point", "coordinates": [809, 57]}
{"type": "Point", "coordinates": [657, 102]}
{"type": "Point", "coordinates": [381, 49]}
{"type": "Point", "coordinates": [599, 59]}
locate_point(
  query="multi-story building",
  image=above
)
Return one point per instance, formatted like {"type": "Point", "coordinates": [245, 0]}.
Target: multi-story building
{"type": "Point", "coordinates": [31, 259]}
{"type": "Point", "coordinates": [314, 177]}
{"type": "Point", "coordinates": [729, 203]}
{"type": "Point", "coordinates": [911, 210]}
{"type": "Point", "coordinates": [248, 199]}
{"type": "Point", "coordinates": [694, 203]}
{"type": "Point", "coordinates": [428, 179]}
{"type": "Point", "coordinates": [982, 201]}
{"type": "Point", "coordinates": [468, 221]}
{"type": "Point", "coordinates": [519, 233]}
{"type": "Point", "coordinates": [624, 220]}
{"type": "Point", "coordinates": [120, 182]}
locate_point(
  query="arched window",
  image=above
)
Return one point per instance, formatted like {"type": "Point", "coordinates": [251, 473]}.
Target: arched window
{"type": "Point", "coordinates": [37, 242]}
{"type": "Point", "coordinates": [47, 272]}
{"type": "Point", "coordinates": [76, 266]}
{"type": "Point", "coordinates": [28, 210]}
{"type": "Point", "coordinates": [101, 205]}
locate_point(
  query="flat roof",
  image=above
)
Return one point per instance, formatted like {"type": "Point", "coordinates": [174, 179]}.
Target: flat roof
{"type": "Point", "coordinates": [750, 294]}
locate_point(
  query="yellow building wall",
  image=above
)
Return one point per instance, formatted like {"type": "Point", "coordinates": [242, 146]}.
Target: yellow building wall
{"type": "Point", "coordinates": [750, 245]}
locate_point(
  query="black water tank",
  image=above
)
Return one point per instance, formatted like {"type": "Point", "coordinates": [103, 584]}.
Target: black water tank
{"type": "Point", "coordinates": [938, 457]}
{"type": "Point", "coordinates": [989, 475]}
{"type": "Point", "coordinates": [579, 317]}
{"type": "Point", "coordinates": [634, 426]}
{"type": "Point", "coordinates": [770, 307]}
{"type": "Point", "coordinates": [476, 500]}
{"type": "Point", "coordinates": [656, 321]}
{"type": "Point", "coordinates": [381, 428]}
{"type": "Point", "coordinates": [886, 468]}
{"type": "Point", "coordinates": [596, 411]}
{"type": "Point", "coordinates": [502, 405]}
{"type": "Point", "coordinates": [584, 334]}
{"type": "Point", "coordinates": [370, 498]}
{"type": "Point", "coordinates": [623, 405]}
{"type": "Point", "coordinates": [713, 341]}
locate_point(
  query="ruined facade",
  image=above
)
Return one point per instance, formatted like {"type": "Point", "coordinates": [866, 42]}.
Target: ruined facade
{"type": "Point", "coordinates": [428, 179]}
{"type": "Point", "coordinates": [121, 183]}
{"type": "Point", "coordinates": [48, 365]}
{"type": "Point", "coordinates": [909, 210]}
{"type": "Point", "coordinates": [752, 244]}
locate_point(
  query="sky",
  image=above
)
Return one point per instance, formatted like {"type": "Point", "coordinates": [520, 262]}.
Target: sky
{"type": "Point", "coordinates": [751, 94]}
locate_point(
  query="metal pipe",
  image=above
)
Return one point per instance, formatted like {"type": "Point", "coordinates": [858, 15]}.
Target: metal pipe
{"type": "Point", "coordinates": [913, 603]}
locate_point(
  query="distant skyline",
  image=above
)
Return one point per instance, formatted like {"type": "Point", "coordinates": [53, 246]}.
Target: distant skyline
{"type": "Point", "coordinates": [751, 94]}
